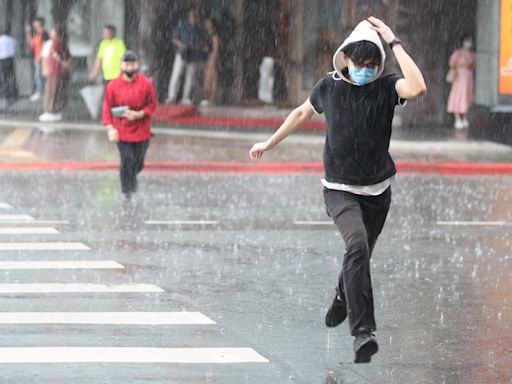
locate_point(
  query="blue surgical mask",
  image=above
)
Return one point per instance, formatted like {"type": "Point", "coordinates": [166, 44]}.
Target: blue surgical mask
{"type": "Point", "coordinates": [468, 45]}
{"type": "Point", "coordinates": [362, 75]}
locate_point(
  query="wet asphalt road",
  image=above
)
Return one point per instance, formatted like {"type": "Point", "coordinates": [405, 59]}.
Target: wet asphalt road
{"type": "Point", "coordinates": [442, 275]}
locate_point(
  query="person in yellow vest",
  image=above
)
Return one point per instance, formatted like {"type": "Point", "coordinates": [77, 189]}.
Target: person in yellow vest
{"type": "Point", "coordinates": [110, 53]}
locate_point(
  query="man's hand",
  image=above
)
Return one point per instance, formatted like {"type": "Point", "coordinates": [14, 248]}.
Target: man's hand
{"type": "Point", "coordinates": [257, 150]}
{"type": "Point", "coordinates": [295, 119]}
{"type": "Point", "coordinates": [413, 84]}
{"type": "Point", "coordinates": [133, 115]}
{"type": "Point", "coordinates": [178, 43]}
{"type": "Point", "coordinates": [56, 56]}
{"type": "Point", "coordinates": [113, 135]}
{"type": "Point", "coordinates": [379, 26]}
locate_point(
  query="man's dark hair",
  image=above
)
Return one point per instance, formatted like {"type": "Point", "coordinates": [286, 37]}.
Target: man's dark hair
{"type": "Point", "coordinates": [361, 51]}
{"type": "Point", "coordinates": [5, 30]}
{"type": "Point", "coordinates": [130, 56]}
{"type": "Point", "coordinates": [111, 28]}
{"type": "Point", "coordinates": [466, 36]}
{"type": "Point", "coordinates": [214, 24]}
{"type": "Point", "coordinates": [192, 9]}
{"type": "Point", "coordinates": [62, 32]}
{"type": "Point", "coordinates": [40, 19]}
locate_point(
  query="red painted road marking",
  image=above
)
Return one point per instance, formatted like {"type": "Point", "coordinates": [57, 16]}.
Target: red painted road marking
{"type": "Point", "coordinates": [187, 115]}
{"type": "Point", "coordinates": [443, 168]}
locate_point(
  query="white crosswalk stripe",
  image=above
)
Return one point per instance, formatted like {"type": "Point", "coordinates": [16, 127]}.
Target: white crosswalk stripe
{"type": "Point", "coordinates": [5, 205]}
{"type": "Point", "coordinates": [119, 318]}
{"type": "Point", "coordinates": [130, 355]}
{"type": "Point", "coordinates": [181, 222]}
{"type": "Point", "coordinates": [61, 264]}
{"type": "Point", "coordinates": [28, 231]}
{"type": "Point", "coordinates": [78, 288]}
{"type": "Point", "coordinates": [27, 219]}
{"type": "Point", "coordinates": [473, 223]}
{"type": "Point", "coordinates": [15, 218]}
{"type": "Point", "coordinates": [302, 222]}
{"type": "Point", "coordinates": [44, 246]}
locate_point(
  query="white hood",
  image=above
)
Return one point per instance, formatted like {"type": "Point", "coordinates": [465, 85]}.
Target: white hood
{"type": "Point", "coordinates": [360, 33]}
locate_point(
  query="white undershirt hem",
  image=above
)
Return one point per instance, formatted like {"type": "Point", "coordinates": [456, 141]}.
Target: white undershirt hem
{"type": "Point", "coordinates": [364, 190]}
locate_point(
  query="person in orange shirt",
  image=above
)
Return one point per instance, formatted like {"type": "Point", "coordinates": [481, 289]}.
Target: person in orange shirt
{"type": "Point", "coordinates": [36, 36]}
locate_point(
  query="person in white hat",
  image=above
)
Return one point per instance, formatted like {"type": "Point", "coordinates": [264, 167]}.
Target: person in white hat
{"type": "Point", "coordinates": [358, 103]}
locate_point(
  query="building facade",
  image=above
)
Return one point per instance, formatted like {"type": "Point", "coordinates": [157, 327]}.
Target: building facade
{"type": "Point", "coordinates": [301, 35]}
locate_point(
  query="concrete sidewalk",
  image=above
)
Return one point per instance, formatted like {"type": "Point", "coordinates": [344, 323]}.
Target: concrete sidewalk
{"type": "Point", "coordinates": [50, 142]}
{"type": "Point", "coordinates": [25, 141]}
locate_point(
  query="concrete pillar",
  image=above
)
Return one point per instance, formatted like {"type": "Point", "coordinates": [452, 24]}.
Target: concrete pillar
{"type": "Point", "coordinates": [494, 110]}
{"type": "Point", "coordinates": [296, 92]}
{"type": "Point", "coordinates": [239, 30]}
{"type": "Point", "coordinates": [488, 40]}
{"type": "Point", "coordinates": [4, 14]}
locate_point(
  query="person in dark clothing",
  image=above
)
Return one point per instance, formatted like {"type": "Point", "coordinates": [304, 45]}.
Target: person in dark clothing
{"type": "Point", "coordinates": [8, 49]}
{"type": "Point", "coordinates": [359, 105]}
{"type": "Point", "coordinates": [129, 102]}
{"type": "Point", "coordinates": [187, 38]}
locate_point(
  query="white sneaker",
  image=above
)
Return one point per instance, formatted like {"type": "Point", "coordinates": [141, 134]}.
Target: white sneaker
{"type": "Point", "coordinates": [459, 124]}
{"type": "Point", "coordinates": [55, 117]}
{"type": "Point", "coordinates": [465, 123]}
{"type": "Point", "coordinates": [170, 101]}
{"type": "Point", "coordinates": [45, 117]}
{"type": "Point", "coordinates": [204, 103]}
{"type": "Point", "coordinates": [186, 102]}
{"type": "Point", "coordinates": [50, 117]}
{"type": "Point", "coordinates": [36, 96]}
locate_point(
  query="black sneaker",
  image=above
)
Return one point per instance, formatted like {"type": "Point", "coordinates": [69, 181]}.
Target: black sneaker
{"type": "Point", "coordinates": [337, 313]}
{"type": "Point", "coordinates": [365, 345]}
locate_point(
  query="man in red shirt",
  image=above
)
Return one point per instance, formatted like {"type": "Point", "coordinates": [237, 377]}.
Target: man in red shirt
{"type": "Point", "coordinates": [36, 36]}
{"type": "Point", "coordinates": [129, 102]}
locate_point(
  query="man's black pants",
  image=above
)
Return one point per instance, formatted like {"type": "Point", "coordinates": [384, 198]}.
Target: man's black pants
{"type": "Point", "coordinates": [360, 220]}
{"type": "Point", "coordinates": [8, 86]}
{"type": "Point", "coordinates": [132, 162]}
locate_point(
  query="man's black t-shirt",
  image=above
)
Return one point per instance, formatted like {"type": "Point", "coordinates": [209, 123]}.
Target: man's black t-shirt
{"type": "Point", "coordinates": [358, 128]}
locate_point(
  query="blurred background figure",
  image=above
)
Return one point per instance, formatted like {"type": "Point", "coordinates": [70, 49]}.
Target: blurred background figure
{"type": "Point", "coordinates": [211, 66]}
{"type": "Point", "coordinates": [462, 63]}
{"type": "Point", "coordinates": [8, 48]}
{"type": "Point", "coordinates": [110, 53]}
{"type": "Point", "coordinates": [187, 39]}
{"type": "Point", "coordinates": [57, 69]}
{"type": "Point", "coordinates": [36, 36]}
{"type": "Point", "coordinates": [267, 79]}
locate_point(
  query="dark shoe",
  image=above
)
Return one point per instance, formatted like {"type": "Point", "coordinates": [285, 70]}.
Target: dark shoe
{"type": "Point", "coordinates": [365, 345]}
{"type": "Point", "coordinates": [337, 313]}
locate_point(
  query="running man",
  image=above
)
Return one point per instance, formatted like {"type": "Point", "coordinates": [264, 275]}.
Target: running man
{"type": "Point", "coordinates": [358, 102]}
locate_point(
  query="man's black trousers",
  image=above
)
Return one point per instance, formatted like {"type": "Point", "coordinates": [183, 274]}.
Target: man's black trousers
{"type": "Point", "coordinates": [8, 86]}
{"type": "Point", "coordinates": [132, 162]}
{"type": "Point", "coordinates": [360, 220]}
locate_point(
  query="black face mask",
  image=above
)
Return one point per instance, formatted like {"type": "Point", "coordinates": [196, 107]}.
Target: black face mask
{"type": "Point", "coordinates": [130, 74]}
